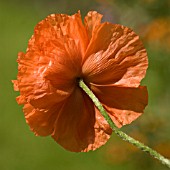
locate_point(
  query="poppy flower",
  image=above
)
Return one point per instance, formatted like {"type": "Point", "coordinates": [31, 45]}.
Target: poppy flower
{"type": "Point", "coordinates": [111, 60]}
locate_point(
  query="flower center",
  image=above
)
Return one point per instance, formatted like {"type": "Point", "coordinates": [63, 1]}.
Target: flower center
{"type": "Point", "coordinates": [77, 80]}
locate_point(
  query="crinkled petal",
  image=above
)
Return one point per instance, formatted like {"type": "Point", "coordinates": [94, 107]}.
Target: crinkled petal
{"type": "Point", "coordinates": [41, 121]}
{"type": "Point", "coordinates": [91, 20]}
{"type": "Point", "coordinates": [15, 83]}
{"type": "Point", "coordinates": [115, 55]}
{"type": "Point", "coordinates": [33, 85]}
{"type": "Point", "coordinates": [102, 131]}
{"type": "Point", "coordinates": [60, 26]}
{"type": "Point", "coordinates": [124, 104]}
{"type": "Point", "coordinates": [76, 128]}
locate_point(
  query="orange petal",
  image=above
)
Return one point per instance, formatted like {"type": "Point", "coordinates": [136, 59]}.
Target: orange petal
{"type": "Point", "coordinates": [78, 32]}
{"type": "Point", "coordinates": [102, 131]}
{"type": "Point", "coordinates": [41, 122]}
{"type": "Point", "coordinates": [124, 104]}
{"type": "Point", "coordinates": [15, 83]}
{"type": "Point", "coordinates": [61, 26]}
{"type": "Point", "coordinates": [21, 99]}
{"type": "Point", "coordinates": [115, 55]}
{"type": "Point", "coordinates": [76, 128]}
{"type": "Point", "coordinates": [91, 20]}
{"type": "Point", "coordinates": [33, 85]}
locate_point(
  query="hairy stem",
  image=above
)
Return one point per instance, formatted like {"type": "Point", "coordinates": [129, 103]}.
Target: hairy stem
{"type": "Point", "coordinates": [121, 134]}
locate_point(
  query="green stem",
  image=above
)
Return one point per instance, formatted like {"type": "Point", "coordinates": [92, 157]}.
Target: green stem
{"type": "Point", "coordinates": [121, 134]}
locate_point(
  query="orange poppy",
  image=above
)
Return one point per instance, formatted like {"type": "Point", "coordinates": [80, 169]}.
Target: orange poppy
{"type": "Point", "coordinates": [109, 57]}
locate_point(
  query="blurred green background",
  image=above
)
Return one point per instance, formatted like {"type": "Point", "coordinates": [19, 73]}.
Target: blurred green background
{"type": "Point", "coordinates": [21, 150]}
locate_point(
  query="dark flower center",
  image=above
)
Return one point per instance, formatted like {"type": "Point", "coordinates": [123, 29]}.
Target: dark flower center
{"type": "Point", "coordinates": [78, 79]}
